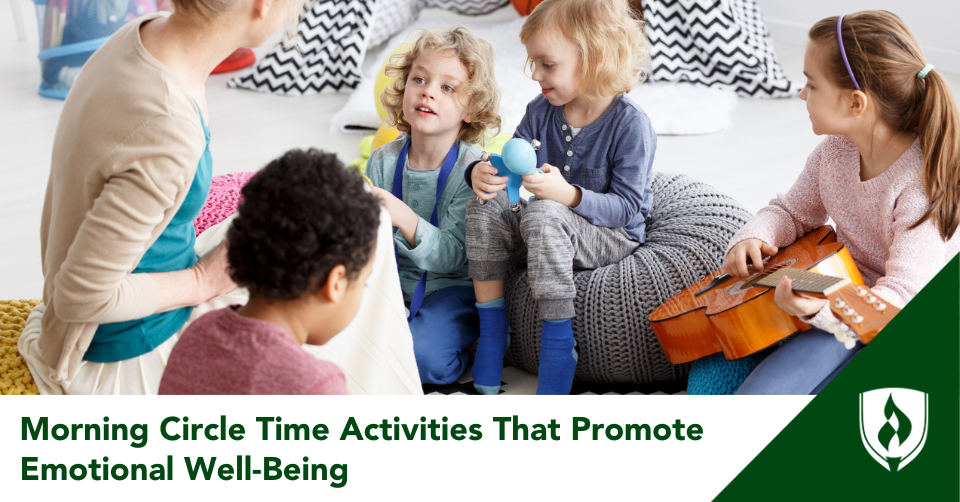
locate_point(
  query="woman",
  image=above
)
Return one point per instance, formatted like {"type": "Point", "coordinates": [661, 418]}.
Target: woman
{"type": "Point", "coordinates": [131, 169]}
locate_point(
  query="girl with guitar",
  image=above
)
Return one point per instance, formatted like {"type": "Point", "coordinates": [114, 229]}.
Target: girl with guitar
{"type": "Point", "coordinates": [888, 174]}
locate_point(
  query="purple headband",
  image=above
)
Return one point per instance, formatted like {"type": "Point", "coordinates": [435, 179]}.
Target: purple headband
{"type": "Point", "coordinates": [844, 53]}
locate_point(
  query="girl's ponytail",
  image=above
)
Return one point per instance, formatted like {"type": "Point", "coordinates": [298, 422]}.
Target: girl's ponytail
{"type": "Point", "coordinates": [939, 130]}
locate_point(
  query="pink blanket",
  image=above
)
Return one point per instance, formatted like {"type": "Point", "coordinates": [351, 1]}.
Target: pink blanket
{"type": "Point", "coordinates": [223, 199]}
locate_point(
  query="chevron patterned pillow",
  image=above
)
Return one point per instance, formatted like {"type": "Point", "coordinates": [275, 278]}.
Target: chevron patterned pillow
{"type": "Point", "coordinates": [719, 43]}
{"type": "Point", "coordinates": [332, 40]}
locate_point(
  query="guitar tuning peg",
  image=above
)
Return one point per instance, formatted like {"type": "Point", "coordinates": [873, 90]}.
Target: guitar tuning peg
{"type": "Point", "coordinates": [870, 299]}
{"type": "Point", "coordinates": [848, 311]}
{"type": "Point", "coordinates": [857, 319]}
{"type": "Point", "coordinates": [861, 291]}
{"type": "Point", "coordinates": [840, 303]}
{"type": "Point", "coordinates": [880, 306]}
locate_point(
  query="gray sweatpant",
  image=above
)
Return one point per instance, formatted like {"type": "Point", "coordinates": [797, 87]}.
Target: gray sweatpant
{"type": "Point", "coordinates": [546, 236]}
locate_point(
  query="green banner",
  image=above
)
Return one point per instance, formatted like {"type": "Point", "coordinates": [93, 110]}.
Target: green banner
{"type": "Point", "coordinates": [887, 427]}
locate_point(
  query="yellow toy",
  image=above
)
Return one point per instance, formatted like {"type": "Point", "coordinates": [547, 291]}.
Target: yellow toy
{"type": "Point", "coordinates": [368, 144]}
{"type": "Point", "coordinates": [382, 81]}
{"type": "Point", "coordinates": [384, 135]}
{"type": "Point", "coordinates": [496, 146]}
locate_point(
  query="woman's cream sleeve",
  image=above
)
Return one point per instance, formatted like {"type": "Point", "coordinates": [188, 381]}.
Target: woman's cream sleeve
{"type": "Point", "coordinates": [147, 176]}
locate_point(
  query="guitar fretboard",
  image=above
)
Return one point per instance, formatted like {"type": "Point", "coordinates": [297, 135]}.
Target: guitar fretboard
{"type": "Point", "coordinates": [803, 280]}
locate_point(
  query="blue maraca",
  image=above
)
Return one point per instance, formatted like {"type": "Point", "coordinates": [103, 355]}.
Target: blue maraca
{"type": "Point", "coordinates": [518, 159]}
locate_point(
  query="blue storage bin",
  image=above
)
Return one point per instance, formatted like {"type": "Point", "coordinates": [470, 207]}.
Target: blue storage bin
{"type": "Point", "coordinates": [71, 30]}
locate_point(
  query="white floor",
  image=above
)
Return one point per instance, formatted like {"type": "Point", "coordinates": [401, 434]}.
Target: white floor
{"type": "Point", "coordinates": [761, 154]}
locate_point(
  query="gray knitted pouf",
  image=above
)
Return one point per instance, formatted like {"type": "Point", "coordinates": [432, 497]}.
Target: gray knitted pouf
{"type": "Point", "coordinates": [687, 236]}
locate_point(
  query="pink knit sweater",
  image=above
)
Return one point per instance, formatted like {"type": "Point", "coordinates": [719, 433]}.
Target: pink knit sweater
{"type": "Point", "coordinates": [872, 219]}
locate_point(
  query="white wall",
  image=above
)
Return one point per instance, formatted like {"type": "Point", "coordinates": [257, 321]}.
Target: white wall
{"type": "Point", "coordinates": [933, 22]}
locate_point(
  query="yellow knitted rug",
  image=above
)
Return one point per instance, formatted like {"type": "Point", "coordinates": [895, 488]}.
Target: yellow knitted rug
{"type": "Point", "coordinates": [14, 376]}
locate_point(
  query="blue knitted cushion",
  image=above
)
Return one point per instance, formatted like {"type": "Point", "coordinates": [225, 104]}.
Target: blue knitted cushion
{"type": "Point", "coordinates": [687, 235]}
{"type": "Point", "coordinates": [715, 375]}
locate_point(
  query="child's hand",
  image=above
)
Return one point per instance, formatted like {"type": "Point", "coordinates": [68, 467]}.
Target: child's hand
{"type": "Point", "coordinates": [735, 263]}
{"type": "Point", "coordinates": [551, 186]}
{"type": "Point", "coordinates": [393, 205]}
{"type": "Point", "coordinates": [485, 181]}
{"type": "Point", "coordinates": [794, 304]}
{"type": "Point", "coordinates": [401, 216]}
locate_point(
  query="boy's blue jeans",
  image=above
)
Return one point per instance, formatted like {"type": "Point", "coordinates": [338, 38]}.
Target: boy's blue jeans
{"type": "Point", "coordinates": [445, 328]}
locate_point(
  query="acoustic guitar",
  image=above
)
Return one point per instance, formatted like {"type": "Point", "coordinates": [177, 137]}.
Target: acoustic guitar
{"type": "Point", "coordinates": [722, 314]}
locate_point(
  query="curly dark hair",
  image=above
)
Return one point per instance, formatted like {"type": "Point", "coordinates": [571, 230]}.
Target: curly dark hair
{"type": "Point", "coordinates": [302, 215]}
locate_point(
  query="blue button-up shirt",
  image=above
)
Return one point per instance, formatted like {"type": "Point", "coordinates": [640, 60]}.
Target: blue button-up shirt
{"type": "Point", "coordinates": [610, 160]}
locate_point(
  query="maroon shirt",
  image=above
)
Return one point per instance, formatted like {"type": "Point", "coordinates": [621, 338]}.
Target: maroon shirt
{"type": "Point", "coordinates": [224, 352]}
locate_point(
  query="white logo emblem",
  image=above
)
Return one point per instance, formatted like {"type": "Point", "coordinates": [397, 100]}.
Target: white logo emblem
{"type": "Point", "coordinates": [893, 425]}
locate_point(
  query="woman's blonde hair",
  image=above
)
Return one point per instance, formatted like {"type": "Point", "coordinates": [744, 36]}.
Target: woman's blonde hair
{"type": "Point", "coordinates": [479, 95]}
{"type": "Point", "coordinates": [206, 8]}
{"type": "Point", "coordinates": [609, 36]}
{"type": "Point", "coordinates": [885, 59]}
{"type": "Point", "coordinates": [213, 8]}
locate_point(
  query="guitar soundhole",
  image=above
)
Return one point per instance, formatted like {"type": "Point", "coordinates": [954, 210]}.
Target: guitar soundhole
{"type": "Point", "coordinates": [741, 287]}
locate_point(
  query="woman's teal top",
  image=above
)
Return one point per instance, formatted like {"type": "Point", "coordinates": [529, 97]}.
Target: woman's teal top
{"type": "Point", "coordinates": [173, 250]}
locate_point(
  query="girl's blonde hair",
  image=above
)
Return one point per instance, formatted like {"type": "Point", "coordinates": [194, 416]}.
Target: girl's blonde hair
{"type": "Point", "coordinates": [479, 95]}
{"type": "Point", "coordinates": [885, 59]}
{"type": "Point", "coordinates": [609, 36]}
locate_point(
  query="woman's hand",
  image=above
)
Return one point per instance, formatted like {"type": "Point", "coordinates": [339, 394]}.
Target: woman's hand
{"type": "Point", "coordinates": [401, 216]}
{"type": "Point", "coordinates": [213, 273]}
{"type": "Point", "coordinates": [485, 181]}
{"type": "Point", "coordinates": [794, 304]}
{"type": "Point", "coordinates": [552, 186]}
{"type": "Point", "coordinates": [735, 263]}
{"type": "Point", "coordinates": [208, 278]}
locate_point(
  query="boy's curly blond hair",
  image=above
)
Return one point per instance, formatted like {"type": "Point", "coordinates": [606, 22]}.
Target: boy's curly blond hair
{"type": "Point", "coordinates": [479, 95]}
{"type": "Point", "coordinates": [609, 36]}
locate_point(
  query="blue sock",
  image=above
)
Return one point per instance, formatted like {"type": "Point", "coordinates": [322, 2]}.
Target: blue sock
{"type": "Point", "coordinates": [494, 339]}
{"type": "Point", "coordinates": [558, 358]}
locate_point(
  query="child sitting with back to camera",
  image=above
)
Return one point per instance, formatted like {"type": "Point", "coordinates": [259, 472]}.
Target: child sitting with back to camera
{"type": "Point", "coordinates": [303, 244]}
{"type": "Point", "coordinates": [887, 174]}
{"type": "Point", "coordinates": [594, 195]}
{"type": "Point", "coordinates": [445, 99]}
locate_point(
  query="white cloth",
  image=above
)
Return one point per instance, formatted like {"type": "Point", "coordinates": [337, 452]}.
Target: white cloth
{"type": "Point", "coordinates": [375, 351]}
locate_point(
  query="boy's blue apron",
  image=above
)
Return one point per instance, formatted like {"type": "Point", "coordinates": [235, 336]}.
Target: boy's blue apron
{"type": "Point", "coordinates": [417, 300]}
